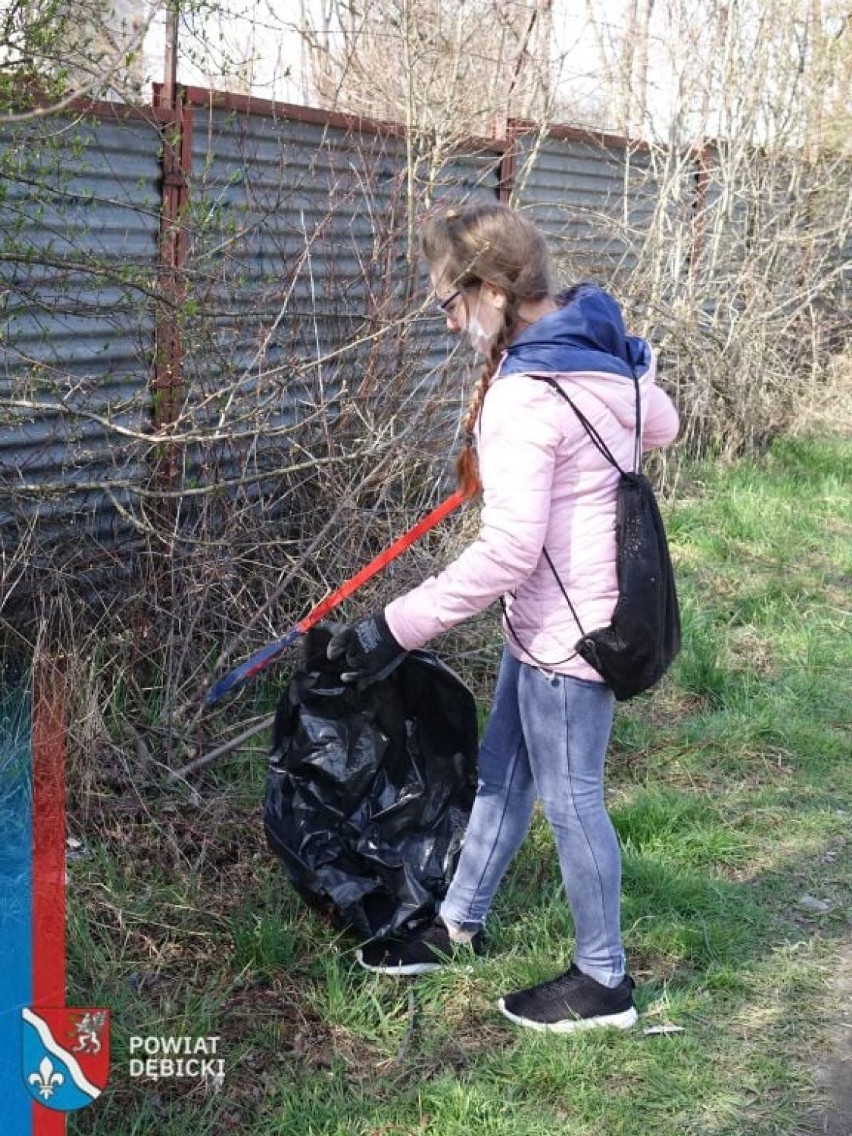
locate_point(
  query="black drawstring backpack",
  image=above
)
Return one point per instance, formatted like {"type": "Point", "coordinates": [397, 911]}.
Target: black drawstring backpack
{"type": "Point", "coordinates": [643, 638]}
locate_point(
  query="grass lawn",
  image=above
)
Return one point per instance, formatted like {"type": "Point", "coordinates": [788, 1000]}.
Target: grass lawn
{"type": "Point", "coordinates": [730, 788]}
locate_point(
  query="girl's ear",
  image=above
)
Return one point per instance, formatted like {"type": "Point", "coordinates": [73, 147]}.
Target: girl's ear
{"type": "Point", "coordinates": [495, 296]}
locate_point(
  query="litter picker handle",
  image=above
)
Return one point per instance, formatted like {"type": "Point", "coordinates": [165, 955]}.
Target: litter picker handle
{"type": "Point", "coordinates": [266, 655]}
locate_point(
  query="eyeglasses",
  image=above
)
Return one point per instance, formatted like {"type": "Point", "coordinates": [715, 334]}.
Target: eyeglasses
{"type": "Point", "coordinates": [445, 306]}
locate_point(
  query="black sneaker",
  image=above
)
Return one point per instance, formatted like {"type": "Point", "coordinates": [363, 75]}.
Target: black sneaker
{"type": "Point", "coordinates": [426, 949]}
{"type": "Point", "coordinates": [573, 1001]}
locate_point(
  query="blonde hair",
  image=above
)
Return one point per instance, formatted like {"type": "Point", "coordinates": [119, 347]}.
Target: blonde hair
{"type": "Point", "coordinates": [486, 242]}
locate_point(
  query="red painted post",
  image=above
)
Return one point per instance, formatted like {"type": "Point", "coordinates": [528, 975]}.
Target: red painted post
{"type": "Point", "coordinates": [176, 122]}
{"type": "Point", "coordinates": [49, 731]}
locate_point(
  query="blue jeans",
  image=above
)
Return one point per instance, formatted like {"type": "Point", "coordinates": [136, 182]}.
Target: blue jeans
{"type": "Point", "coordinates": [547, 737]}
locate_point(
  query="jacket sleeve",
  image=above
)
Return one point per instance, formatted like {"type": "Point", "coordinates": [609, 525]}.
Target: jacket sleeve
{"type": "Point", "coordinates": [660, 419]}
{"type": "Point", "coordinates": [518, 440]}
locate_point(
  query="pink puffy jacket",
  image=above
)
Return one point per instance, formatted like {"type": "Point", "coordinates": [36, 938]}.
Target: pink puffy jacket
{"type": "Point", "coordinates": [545, 486]}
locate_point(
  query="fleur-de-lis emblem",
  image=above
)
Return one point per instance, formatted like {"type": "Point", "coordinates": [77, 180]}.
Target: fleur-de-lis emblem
{"type": "Point", "coordinates": [46, 1079]}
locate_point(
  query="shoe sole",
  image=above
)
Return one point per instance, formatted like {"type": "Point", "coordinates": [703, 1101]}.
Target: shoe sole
{"type": "Point", "coordinates": [402, 970]}
{"type": "Point", "coordinates": [624, 1020]}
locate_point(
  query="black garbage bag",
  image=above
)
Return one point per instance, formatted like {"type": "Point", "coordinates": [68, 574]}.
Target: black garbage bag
{"type": "Point", "coordinates": [369, 792]}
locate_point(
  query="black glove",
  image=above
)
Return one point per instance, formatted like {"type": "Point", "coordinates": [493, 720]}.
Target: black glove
{"type": "Point", "coordinates": [368, 649]}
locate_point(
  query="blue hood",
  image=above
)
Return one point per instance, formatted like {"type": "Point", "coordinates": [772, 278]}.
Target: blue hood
{"type": "Point", "coordinates": [587, 334]}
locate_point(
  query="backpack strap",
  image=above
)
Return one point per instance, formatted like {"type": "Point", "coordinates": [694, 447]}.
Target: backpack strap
{"type": "Point", "coordinates": [604, 450]}
{"type": "Point", "coordinates": [637, 441]}
{"type": "Point", "coordinates": [598, 442]}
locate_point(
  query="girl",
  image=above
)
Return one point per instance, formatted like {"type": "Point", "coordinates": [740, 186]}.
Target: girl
{"type": "Point", "coordinates": [547, 532]}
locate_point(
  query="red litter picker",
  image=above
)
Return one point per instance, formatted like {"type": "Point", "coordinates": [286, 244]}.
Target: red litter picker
{"type": "Point", "coordinates": [262, 658]}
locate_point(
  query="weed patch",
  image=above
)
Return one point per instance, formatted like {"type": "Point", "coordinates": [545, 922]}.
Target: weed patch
{"type": "Point", "coordinates": [730, 793]}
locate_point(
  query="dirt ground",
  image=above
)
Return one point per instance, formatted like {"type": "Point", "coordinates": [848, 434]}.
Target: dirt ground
{"type": "Point", "coordinates": [833, 1065]}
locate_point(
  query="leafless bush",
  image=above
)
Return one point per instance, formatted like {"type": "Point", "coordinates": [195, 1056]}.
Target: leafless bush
{"type": "Point", "coordinates": [63, 50]}
{"type": "Point", "coordinates": [309, 417]}
{"type": "Point", "coordinates": [763, 300]}
{"type": "Point", "coordinates": [732, 260]}
{"type": "Point", "coordinates": [311, 422]}
{"type": "Point", "coordinates": [446, 71]}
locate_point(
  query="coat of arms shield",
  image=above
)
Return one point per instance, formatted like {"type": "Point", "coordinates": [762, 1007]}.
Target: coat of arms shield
{"type": "Point", "coordinates": [65, 1055]}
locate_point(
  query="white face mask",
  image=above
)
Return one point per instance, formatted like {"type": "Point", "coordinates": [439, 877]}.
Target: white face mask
{"type": "Point", "coordinates": [479, 338]}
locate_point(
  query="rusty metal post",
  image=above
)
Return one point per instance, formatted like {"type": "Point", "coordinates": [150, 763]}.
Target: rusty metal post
{"type": "Point", "coordinates": [175, 124]}
{"type": "Point", "coordinates": [170, 61]}
{"type": "Point", "coordinates": [698, 205]}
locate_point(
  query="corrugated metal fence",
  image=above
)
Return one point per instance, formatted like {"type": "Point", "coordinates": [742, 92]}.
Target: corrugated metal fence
{"type": "Point", "coordinates": [79, 213]}
{"type": "Point", "coordinates": [298, 265]}
{"type": "Point", "coordinates": [170, 276]}
{"type": "Point", "coordinates": [592, 194]}
{"type": "Point", "coordinates": [167, 276]}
